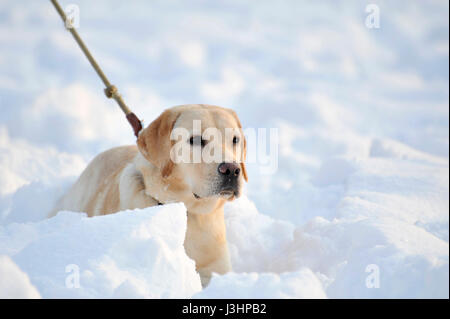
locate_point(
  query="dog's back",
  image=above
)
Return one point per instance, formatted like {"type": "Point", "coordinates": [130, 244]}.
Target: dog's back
{"type": "Point", "coordinates": [97, 182]}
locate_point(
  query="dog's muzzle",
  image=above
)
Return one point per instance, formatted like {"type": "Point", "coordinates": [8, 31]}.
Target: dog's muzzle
{"type": "Point", "coordinates": [229, 173]}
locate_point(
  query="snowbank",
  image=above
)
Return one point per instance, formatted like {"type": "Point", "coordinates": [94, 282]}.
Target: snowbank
{"type": "Point", "coordinates": [22, 163]}
{"type": "Point", "coordinates": [132, 254]}
{"type": "Point", "coordinates": [14, 282]}
{"type": "Point", "coordinates": [299, 284]}
{"type": "Point", "coordinates": [392, 219]}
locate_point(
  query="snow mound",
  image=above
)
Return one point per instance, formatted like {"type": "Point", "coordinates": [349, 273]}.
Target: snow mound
{"type": "Point", "coordinates": [254, 239]}
{"type": "Point", "coordinates": [133, 254]}
{"type": "Point", "coordinates": [42, 163]}
{"type": "Point", "coordinates": [299, 284]}
{"type": "Point", "coordinates": [14, 283]}
{"type": "Point", "coordinates": [392, 219]}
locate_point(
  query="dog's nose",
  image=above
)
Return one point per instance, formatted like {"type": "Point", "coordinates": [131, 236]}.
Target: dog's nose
{"type": "Point", "coordinates": [229, 169]}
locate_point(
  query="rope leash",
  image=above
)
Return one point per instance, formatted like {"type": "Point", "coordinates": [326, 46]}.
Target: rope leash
{"type": "Point", "coordinates": [110, 91]}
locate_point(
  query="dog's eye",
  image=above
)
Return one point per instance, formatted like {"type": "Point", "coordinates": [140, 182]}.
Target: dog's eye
{"type": "Point", "coordinates": [197, 140]}
{"type": "Point", "coordinates": [235, 140]}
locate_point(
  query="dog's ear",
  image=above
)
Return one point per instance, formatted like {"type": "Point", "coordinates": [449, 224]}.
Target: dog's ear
{"type": "Point", "coordinates": [244, 155]}
{"type": "Point", "coordinates": [154, 142]}
{"type": "Point", "coordinates": [244, 151]}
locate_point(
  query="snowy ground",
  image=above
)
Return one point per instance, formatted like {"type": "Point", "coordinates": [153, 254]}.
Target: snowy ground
{"type": "Point", "coordinates": [360, 198]}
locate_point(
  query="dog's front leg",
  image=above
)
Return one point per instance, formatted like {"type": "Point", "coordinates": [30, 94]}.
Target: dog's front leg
{"type": "Point", "coordinates": [206, 244]}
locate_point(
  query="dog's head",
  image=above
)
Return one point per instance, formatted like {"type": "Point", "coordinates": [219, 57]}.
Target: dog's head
{"type": "Point", "coordinates": [200, 146]}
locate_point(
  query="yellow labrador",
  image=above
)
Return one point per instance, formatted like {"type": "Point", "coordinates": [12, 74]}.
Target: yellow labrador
{"type": "Point", "coordinates": [146, 175]}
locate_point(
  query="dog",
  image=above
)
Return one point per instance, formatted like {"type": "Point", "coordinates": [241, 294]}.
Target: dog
{"type": "Point", "coordinates": [144, 175]}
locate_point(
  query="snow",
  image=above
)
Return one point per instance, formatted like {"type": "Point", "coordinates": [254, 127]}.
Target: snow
{"type": "Point", "coordinates": [15, 284]}
{"type": "Point", "coordinates": [127, 255]}
{"type": "Point", "coordinates": [299, 284]}
{"type": "Point", "coordinates": [360, 196]}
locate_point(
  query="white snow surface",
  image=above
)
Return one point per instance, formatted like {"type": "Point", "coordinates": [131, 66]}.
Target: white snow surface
{"type": "Point", "coordinates": [127, 255]}
{"type": "Point", "coordinates": [15, 283]}
{"type": "Point", "coordinates": [357, 208]}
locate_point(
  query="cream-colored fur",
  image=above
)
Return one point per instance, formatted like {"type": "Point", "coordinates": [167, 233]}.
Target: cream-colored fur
{"type": "Point", "coordinates": [143, 175]}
